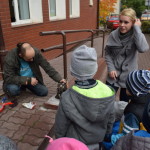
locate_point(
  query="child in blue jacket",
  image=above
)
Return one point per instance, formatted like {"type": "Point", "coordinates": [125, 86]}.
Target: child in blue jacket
{"type": "Point", "coordinates": [138, 88]}
{"type": "Point", "coordinates": [137, 139]}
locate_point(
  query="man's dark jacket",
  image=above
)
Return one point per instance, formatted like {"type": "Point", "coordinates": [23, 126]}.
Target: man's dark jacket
{"type": "Point", "coordinates": [12, 69]}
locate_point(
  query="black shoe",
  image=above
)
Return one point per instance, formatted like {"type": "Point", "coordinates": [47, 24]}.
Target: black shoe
{"type": "Point", "coordinates": [15, 103]}
{"type": "Point", "coordinates": [23, 88]}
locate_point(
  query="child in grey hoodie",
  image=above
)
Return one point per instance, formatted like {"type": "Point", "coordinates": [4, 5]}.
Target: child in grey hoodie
{"type": "Point", "coordinates": [86, 110]}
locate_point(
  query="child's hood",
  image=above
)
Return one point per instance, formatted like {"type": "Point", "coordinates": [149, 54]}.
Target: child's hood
{"type": "Point", "coordinates": [93, 109]}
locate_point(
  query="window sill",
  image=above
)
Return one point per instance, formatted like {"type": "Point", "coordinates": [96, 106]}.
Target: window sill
{"type": "Point", "coordinates": [57, 19]}
{"type": "Point", "coordinates": [25, 24]}
{"type": "Point", "coordinates": [74, 17]}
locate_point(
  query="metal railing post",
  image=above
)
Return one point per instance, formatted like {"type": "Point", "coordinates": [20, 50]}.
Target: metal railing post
{"type": "Point", "coordinates": [103, 43]}
{"type": "Point", "coordinates": [92, 38]}
{"type": "Point", "coordinates": [64, 54]}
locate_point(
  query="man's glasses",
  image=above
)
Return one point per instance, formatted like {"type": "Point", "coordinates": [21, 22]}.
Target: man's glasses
{"type": "Point", "coordinates": [125, 22]}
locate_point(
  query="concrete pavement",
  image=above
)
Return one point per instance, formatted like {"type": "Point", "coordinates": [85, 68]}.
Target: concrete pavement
{"type": "Point", "coordinates": [26, 127]}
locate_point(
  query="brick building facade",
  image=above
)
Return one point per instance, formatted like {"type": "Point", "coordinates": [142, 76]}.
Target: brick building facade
{"type": "Point", "coordinates": [12, 34]}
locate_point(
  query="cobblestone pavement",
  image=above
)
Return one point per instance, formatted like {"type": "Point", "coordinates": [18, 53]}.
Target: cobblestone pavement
{"type": "Point", "coordinates": [144, 58]}
{"type": "Point", "coordinates": [28, 127]}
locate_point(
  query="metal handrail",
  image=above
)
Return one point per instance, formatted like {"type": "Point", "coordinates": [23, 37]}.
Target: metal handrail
{"type": "Point", "coordinates": [61, 45]}
{"type": "Point", "coordinates": [65, 44]}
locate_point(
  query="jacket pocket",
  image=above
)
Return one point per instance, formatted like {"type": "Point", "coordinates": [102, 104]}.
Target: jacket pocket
{"type": "Point", "coordinates": [114, 51]}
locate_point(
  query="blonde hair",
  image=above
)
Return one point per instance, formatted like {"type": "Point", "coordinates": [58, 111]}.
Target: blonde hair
{"type": "Point", "coordinates": [129, 12]}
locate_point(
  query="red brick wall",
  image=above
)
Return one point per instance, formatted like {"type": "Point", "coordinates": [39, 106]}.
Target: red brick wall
{"type": "Point", "coordinates": [30, 33]}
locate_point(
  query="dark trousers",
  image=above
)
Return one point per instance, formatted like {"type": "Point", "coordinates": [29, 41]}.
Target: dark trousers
{"type": "Point", "coordinates": [123, 96]}
{"type": "Point", "coordinates": [14, 90]}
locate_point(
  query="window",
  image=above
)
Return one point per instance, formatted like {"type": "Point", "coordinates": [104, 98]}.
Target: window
{"type": "Point", "coordinates": [74, 7]}
{"type": "Point", "coordinates": [91, 2]}
{"type": "Point", "coordinates": [52, 8]}
{"type": "Point", "coordinates": [25, 11]}
{"type": "Point", "coordinates": [57, 9]}
{"type": "Point", "coordinates": [70, 7]}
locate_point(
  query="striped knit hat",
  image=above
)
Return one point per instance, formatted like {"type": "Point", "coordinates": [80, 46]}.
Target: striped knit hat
{"type": "Point", "coordinates": [138, 82]}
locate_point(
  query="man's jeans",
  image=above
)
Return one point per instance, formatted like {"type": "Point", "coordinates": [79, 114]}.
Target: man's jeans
{"type": "Point", "coordinates": [39, 89]}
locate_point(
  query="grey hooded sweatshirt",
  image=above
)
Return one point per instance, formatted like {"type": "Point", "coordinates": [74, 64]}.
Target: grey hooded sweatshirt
{"type": "Point", "coordinates": [83, 118]}
{"type": "Point", "coordinates": [122, 54]}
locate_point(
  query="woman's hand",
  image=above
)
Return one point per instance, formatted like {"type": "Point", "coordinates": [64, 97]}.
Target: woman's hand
{"type": "Point", "coordinates": [113, 74]}
{"type": "Point", "coordinates": [138, 22]}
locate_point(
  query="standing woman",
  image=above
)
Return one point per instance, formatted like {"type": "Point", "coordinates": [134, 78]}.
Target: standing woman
{"type": "Point", "coordinates": [121, 51]}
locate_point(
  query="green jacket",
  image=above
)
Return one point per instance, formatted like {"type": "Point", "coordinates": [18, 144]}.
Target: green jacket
{"type": "Point", "coordinates": [12, 69]}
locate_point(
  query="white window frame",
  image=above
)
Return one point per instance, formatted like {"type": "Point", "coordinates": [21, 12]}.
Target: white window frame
{"type": "Point", "coordinates": [75, 4]}
{"type": "Point", "coordinates": [60, 10]}
{"type": "Point", "coordinates": [35, 8]}
{"type": "Point", "coordinates": [91, 2]}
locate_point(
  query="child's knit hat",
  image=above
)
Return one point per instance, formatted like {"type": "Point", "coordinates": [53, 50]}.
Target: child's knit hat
{"type": "Point", "coordinates": [84, 63]}
{"type": "Point", "coordinates": [6, 143]}
{"type": "Point", "coordinates": [138, 82]}
{"type": "Point", "coordinates": [66, 144]}
{"type": "Point", "coordinates": [146, 116]}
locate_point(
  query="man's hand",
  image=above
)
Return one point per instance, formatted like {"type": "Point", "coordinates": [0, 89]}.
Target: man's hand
{"type": "Point", "coordinates": [64, 81]}
{"type": "Point", "coordinates": [113, 74]}
{"type": "Point", "coordinates": [34, 81]}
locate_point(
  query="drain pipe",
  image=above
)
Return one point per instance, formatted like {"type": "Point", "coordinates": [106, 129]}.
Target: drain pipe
{"type": "Point", "coordinates": [98, 3]}
{"type": "Point", "coordinates": [3, 52]}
